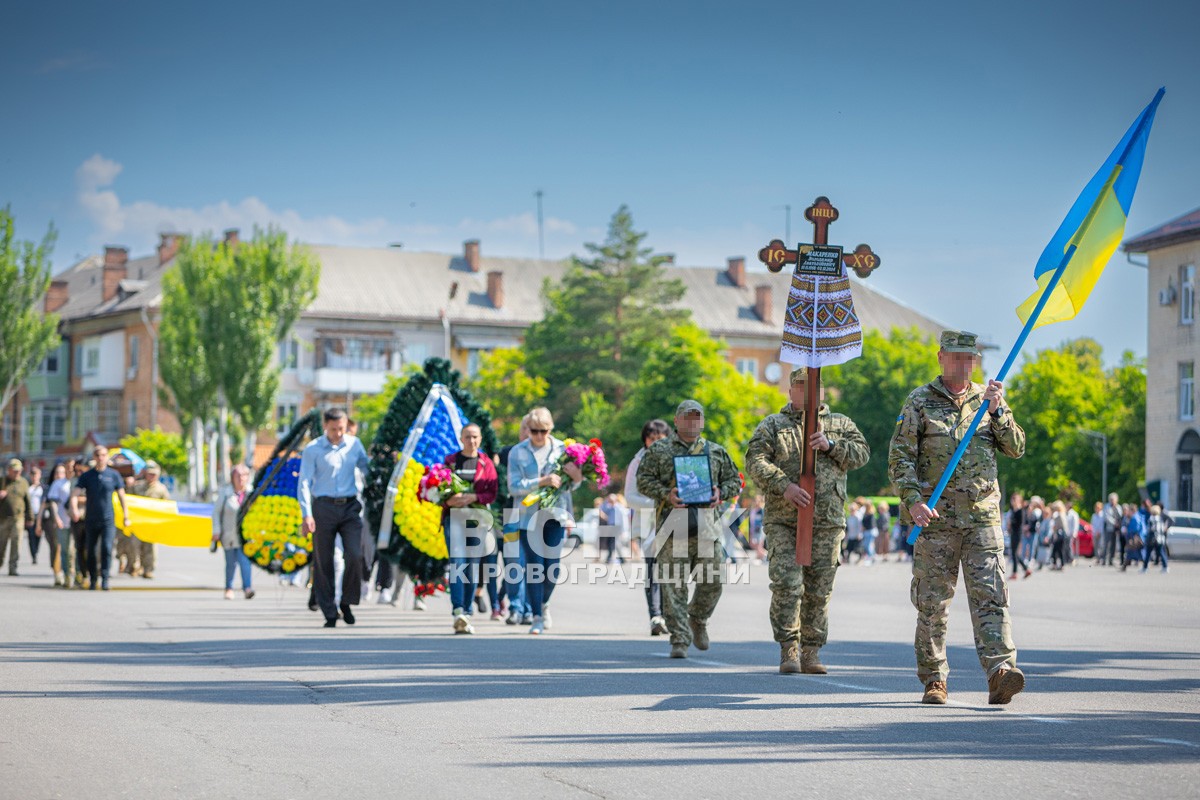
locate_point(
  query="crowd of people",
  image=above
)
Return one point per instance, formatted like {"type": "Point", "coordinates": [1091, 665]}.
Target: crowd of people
{"type": "Point", "coordinates": [683, 531]}
{"type": "Point", "coordinates": [1054, 536]}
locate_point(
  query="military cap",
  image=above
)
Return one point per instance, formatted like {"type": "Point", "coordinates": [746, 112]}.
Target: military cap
{"type": "Point", "coordinates": [798, 375]}
{"type": "Point", "coordinates": [688, 405]}
{"type": "Point", "coordinates": [15, 464]}
{"type": "Point", "coordinates": [152, 466]}
{"type": "Point", "coordinates": [959, 342]}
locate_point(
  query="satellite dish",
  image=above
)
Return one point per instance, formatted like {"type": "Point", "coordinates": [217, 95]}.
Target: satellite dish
{"type": "Point", "coordinates": [773, 372]}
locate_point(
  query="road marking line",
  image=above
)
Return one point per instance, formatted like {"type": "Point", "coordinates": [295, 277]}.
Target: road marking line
{"type": "Point", "coordinates": [1172, 741]}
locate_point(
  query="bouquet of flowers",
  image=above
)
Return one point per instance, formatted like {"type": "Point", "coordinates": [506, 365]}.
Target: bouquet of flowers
{"type": "Point", "coordinates": [439, 483]}
{"type": "Point", "coordinates": [590, 460]}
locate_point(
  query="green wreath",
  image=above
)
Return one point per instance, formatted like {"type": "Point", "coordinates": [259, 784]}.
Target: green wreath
{"type": "Point", "coordinates": [389, 442]}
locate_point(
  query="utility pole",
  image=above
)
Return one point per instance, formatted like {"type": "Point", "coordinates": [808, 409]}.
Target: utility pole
{"type": "Point", "coordinates": [541, 236]}
{"type": "Point", "coordinates": [787, 222]}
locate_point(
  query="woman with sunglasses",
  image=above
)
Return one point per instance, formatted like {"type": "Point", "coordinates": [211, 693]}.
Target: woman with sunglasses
{"type": "Point", "coordinates": [531, 465]}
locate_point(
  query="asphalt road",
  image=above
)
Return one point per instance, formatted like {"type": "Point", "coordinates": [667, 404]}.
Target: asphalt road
{"type": "Point", "coordinates": [164, 689]}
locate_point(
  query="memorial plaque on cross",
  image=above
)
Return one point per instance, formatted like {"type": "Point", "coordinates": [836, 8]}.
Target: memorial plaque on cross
{"type": "Point", "coordinates": [820, 329]}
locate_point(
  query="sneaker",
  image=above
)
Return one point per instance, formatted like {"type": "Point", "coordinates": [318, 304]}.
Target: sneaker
{"type": "Point", "coordinates": [496, 615]}
{"type": "Point", "coordinates": [1012, 577]}
{"type": "Point", "coordinates": [537, 626]}
{"type": "Point", "coordinates": [546, 622]}
{"type": "Point", "coordinates": [1028, 573]}
{"type": "Point", "coordinates": [1143, 569]}
{"type": "Point", "coordinates": [527, 619]}
{"type": "Point", "coordinates": [1004, 685]}
{"type": "Point", "coordinates": [935, 693]}
{"type": "Point", "coordinates": [419, 604]}
{"type": "Point", "coordinates": [385, 596]}
{"type": "Point", "coordinates": [513, 619]}
{"type": "Point", "coordinates": [104, 585]}
{"type": "Point", "coordinates": [658, 626]}
{"type": "Point", "coordinates": [229, 594]}
{"type": "Point", "coordinates": [249, 594]}
{"type": "Point", "coordinates": [462, 622]}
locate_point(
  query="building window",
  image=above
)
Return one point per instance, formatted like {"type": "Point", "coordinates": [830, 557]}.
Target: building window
{"type": "Point", "coordinates": [50, 365]}
{"type": "Point", "coordinates": [91, 360]}
{"type": "Point", "coordinates": [96, 414]}
{"type": "Point", "coordinates": [286, 415]}
{"type": "Point", "coordinates": [79, 359]}
{"type": "Point", "coordinates": [416, 353]}
{"type": "Point", "coordinates": [748, 366]}
{"type": "Point", "coordinates": [473, 362]}
{"type": "Point", "coordinates": [355, 354]}
{"type": "Point", "coordinates": [1187, 390]}
{"type": "Point", "coordinates": [289, 354]}
{"type": "Point", "coordinates": [131, 422]}
{"type": "Point", "coordinates": [134, 353]}
{"type": "Point", "coordinates": [1187, 294]}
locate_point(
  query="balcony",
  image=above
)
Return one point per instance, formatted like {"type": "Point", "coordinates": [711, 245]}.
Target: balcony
{"type": "Point", "coordinates": [356, 381]}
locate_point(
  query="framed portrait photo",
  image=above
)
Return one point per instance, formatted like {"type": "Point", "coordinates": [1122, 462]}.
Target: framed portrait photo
{"type": "Point", "coordinates": [693, 480]}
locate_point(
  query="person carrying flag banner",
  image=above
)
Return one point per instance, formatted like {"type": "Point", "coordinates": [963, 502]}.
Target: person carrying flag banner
{"type": "Point", "coordinates": [934, 421]}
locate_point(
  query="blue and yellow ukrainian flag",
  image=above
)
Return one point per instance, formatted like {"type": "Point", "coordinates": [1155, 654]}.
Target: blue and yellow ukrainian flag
{"type": "Point", "coordinates": [1094, 226]}
{"type": "Point", "coordinates": [170, 522]}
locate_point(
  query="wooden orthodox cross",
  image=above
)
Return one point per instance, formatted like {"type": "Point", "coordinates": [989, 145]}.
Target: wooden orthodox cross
{"type": "Point", "coordinates": [820, 329]}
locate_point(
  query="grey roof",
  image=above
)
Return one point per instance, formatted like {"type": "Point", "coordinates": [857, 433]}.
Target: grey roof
{"type": "Point", "coordinates": [85, 287]}
{"type": "Point", "coordinates": [1184, 228]}
{"type": "Point", "coordinates": [390, 284]}
{"type": "Point", "coordinates": [360, 283]}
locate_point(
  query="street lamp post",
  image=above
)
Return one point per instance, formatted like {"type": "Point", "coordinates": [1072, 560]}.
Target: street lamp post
{"type": "Point", "coordinates": [1103, 459]}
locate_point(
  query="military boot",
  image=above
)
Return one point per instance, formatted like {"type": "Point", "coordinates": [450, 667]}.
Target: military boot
{"type": "Point", "coordinates": [1004, 684]}
{"type": "Point", "coordinates": [935, 693]}
{"type": "Point", "coordinates": [679, 651]}
{"type": "Point", "coordinates": [789, 658]}
{"type": "Point", "coordinates": [810, 662]}
{"type": "Point", "coordinates": [699, 634]}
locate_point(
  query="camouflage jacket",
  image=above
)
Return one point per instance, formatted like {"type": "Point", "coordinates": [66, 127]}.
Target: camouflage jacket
{"type": "Point", "coordinates": [774, 459]}
{"type": "Point", "coordinates": [155, 491]}
{"type": "Point", "coordinates": [928, 430]}
{"type": "Point", "coordinates": [656, 475]}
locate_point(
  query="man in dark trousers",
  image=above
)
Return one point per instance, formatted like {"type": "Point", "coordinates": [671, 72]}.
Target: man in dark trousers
{"type": "Point", "coordinates": [97, 486]}
{"type": "Point", "coordinates": [328, 494]}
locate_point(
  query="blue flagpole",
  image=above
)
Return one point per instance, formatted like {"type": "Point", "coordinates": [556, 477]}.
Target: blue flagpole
{"type": "Point", "coordinates": [1000, 376]}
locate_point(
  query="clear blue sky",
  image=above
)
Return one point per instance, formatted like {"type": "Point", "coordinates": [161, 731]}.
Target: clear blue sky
{"type": "Point", "coordinates": [952, 139]}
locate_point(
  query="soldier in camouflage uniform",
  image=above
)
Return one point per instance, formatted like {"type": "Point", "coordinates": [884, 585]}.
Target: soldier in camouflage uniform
{"type": "Point", "coordinates": [774, 459]}
{"type": "Point", "coordinates": [688, 539]}
{"type": "Point", "coordinates": [965, 527]}
{"type": "Point", "coordinates": [150, 486]}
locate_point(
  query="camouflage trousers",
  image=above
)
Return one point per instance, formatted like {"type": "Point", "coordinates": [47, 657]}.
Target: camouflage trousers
{"type": "Point", "coordinates": [125, 549]}
{"type": "Point", "coordinates": [147, 555]}
{"type": "Point", "coordinates": [701, 559]}
{"type": "Point", "coordinates": [10, 540]}
{"type": "Point", "coordinates": [800, 595]}
{"type": "Point", "coordinates": [936, 558]}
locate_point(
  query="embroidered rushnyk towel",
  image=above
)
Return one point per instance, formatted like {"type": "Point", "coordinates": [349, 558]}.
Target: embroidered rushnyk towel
{"type": "Point", "coordinates": [820, 328]}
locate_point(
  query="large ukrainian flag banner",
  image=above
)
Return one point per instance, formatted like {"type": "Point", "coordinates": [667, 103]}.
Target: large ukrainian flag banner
{"type": "Point", "coordinates": [170, 522]}
{"type": "Point", "coordinates": [1094, 227]}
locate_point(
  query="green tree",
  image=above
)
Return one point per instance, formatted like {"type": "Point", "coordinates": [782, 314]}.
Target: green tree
{"type": "Point", "coordinates": [872, 389]}
{"type": "Point", "coordinates": [689, 363]}
{"type": "Point", "coordinates": [506, 389]}
{"type": "Point", "coordinates": [27, 335]}
{"type": "Point", "coordinates": [274, 282]}
{"type": "Point", "coordinates": [369, 410]}
{"type": "Point", "coordinates": [1056, 394]}
{"type": "Point", "coordinates": [1125, 424]}
{"type": "Point", "coordinates": [166, 448]}
{"type": "Point", "coordinates": [225, 308]}
{"type": "Point", "coordinates": [602, 319]}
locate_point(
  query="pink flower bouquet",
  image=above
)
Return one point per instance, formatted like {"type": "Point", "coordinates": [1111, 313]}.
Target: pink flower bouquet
{"type": "Point", "coordinates": [590, 460]}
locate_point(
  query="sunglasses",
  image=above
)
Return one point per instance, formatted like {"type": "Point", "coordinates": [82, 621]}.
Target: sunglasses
{"type": "Point", "coordinates": [539, 430]}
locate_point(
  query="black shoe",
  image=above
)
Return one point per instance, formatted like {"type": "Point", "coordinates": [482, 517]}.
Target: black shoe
{"type": "Point", "coordinates": [347, 615]}
{"type": "Point", "coordinates": [312, 602]}
{"type": "Point", "coordinates": [331, 623]}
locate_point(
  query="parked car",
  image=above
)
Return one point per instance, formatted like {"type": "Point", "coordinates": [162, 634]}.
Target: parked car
{"type": "Point", "coordinates": [1183, 539]}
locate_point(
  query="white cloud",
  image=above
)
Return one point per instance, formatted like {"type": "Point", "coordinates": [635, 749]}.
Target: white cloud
{"type": "Point", "coordinates": [138, 223]}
